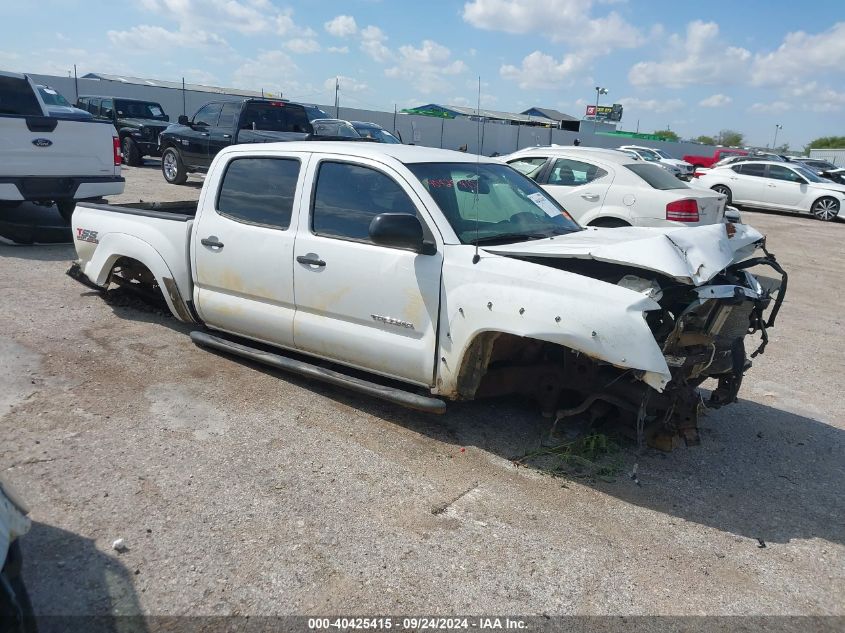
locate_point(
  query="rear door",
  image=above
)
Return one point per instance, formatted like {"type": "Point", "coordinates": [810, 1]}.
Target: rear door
{"type": "Point", "coordinates": [785, 188]}
{"type": "Point", "coordinates": [221, 135]}
{"type": "Point", "coordinates": [242, 247]}
{"type": "Point", "coordinates": [747, 182]}
{"type": "Point", "coordinates": [359, 303]}
{"type": "Point", "coordinates": [578, 185]}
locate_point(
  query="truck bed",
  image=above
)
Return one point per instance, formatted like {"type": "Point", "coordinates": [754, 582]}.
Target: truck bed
{"type": "Point", "coordinates": [156, 234]}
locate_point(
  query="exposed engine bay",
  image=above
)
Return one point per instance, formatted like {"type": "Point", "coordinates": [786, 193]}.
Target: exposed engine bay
{"type": "Point", "coordinates": [700, 329]}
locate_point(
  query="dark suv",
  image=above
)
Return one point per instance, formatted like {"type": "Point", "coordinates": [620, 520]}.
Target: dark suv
{"type": "Point", "coordinates": [138, 123]}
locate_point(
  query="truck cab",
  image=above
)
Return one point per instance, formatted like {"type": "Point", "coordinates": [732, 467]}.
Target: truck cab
{"type": "Point", "coordinates": [138, 123]}
{"type": "Point", "coordinates": [191, 144]}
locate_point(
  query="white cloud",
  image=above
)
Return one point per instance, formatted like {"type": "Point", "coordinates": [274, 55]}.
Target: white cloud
{"type": "Point", "coordinates": [347, 84]}
{"type": "Point", "coordinates": [774, 107]}
{"type": "Point", "coordinates": [715, 101]}
{"type": "Point", "coordinates": [343, 50]}
{"type": "Point", "coordinates": [268, 70]}
{"type": "Point", "coordinates": [539, 70]}
{"type": "Point", "coordinates": [372, 43]}
{"type": "Point", "coordinates": [302, 45]}
{"type": "Point", "coordinates": [801, 55]}
{"type": "Point", "coordinates": [426, 66]}
{"type": "Point", "coordinates": [698, 58]}
{"type": "Point", "coordinates": [341, 26]}
{"type": "Point", "coordinates": [153, 38]}
{"type": "Point", "coordinates": [199, 76]}
{"type": "Point", "coordinates": [244, 16]}
{"type": "Point", "coordinates": [560, 20]}
{"type": "Point", "coordinates": [657, 106]}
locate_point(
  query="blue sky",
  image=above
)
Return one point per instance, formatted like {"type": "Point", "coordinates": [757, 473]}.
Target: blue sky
{"type": "Point", "coordinates": [696, 67]}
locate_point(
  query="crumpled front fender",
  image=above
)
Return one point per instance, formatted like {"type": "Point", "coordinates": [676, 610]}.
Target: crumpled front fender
{"type": "Point", "coordinates": [501, 294]}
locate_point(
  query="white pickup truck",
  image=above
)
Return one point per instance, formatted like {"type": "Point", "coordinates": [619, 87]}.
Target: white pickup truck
{"type": "Point", "coordinates": [50, 159]}
{"type": "Point", "coordinates": [454, 276]}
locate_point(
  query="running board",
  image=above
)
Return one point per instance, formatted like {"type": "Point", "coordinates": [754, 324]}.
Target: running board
{"type": "Point", "coordinates": [390, 394]}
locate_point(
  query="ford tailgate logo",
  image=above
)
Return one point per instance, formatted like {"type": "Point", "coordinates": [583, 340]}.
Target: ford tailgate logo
{"type": "Point", "coordinates": [42, 142]}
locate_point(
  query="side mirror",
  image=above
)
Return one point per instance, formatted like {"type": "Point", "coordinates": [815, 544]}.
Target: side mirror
{"type": "Point", "coordinates": [167, 118]}
{"type": "Point", "coordinates": [732, 215]}
{"type": "Point", "coordinates": [183, 120]}
{"type": "Point", "coordinates": [400, 230]}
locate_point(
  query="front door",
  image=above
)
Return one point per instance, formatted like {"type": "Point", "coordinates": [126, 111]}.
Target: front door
{"type": "Point", "coordinates": [221, 135]}
{"type": "Point", "coordinates": [747, 183]}
{"type": "Point", "coordinates": [194, 141]}
{"type": "Point", "coordinates": [358, 303]}
{"type": "Point", "coordinates": [578, 186]}
{"type": "Point", "coordinates": [785, 188]}
{"type": "Point", "coordinates": [242, 249]}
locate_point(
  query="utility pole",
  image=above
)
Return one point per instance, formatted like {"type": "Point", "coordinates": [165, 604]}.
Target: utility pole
{"type": "Point", "coordinates": [778, 126]}
{"type": "Point", "coordinates": [599, 91]}
{"type": "Point", "coordinates": [183, 97]}
{"type": "Point", "coordinates": [75, 82]}
{"type": "Point", "coordinates": [336, 101]}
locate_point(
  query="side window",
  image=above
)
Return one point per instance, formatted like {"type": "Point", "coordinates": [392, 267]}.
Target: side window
{"type": "Point", "coordinates": [228, 114]}
{"type": "Point", "coordinates": [94, 107]}
{"type": "Point", "coordinates": [107, 108]}
{"type": "Point", "coordinates": [347, 197]}
{"type": "Point", "coordinates": [751, 169]}
{"type": "Point", "coordinates": [259, 191]}
{"type": "Point", "coordinates": [530, 167]}
{"type": "Point", "coordinates": [207, 115]}
{"type": "Point", "coordinates": [573, 173]}
{"type": "Point", "coordinates": [82, 103]}
{"type": "Point", "coordinates": [784, 173]}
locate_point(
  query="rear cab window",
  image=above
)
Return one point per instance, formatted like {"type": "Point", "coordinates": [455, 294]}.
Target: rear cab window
{"type": "Point", "coordinates": [18, 98]}
{"type": "Point", "coordinates": [275, 116]}
{"type": "Point", "coordinates": [259, 190]}
{"type": "Point", "coordinates": [656, 177]}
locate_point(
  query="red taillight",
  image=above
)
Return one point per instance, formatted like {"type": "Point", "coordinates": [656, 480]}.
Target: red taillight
{"type": "Point", "coordinates": [682, 211]}
{"type": "Point", "coordinates": [697, 173]}
{"type": "Point", "coordinates": [116, 146]}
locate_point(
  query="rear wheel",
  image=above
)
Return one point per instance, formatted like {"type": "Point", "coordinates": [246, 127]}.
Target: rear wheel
{"type": "Point", "coordinates": [609, 223]}
{"type": "Point", "coordinates": [724, 191]}
{"type": "Point", "coordinates": [172, 167]}
{"type": "Point", "coordinates": [131, 153]}
{"type": "Point", "coordinates": [825, 209]}
{"type": "Point", "coordinates": [66, 208]}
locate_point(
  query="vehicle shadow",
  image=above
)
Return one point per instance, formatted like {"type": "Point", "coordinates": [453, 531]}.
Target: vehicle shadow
{"type": "Point", "coordinates": [41, 252]}
{"type": "Point", "coordinates": [789, 214]}
{"type": "Point", "coordinates": [75, 587]}
{"type": "Point", "coordinates": [30, 223]}
{"type": "Point", "coordinates": [759, 473]}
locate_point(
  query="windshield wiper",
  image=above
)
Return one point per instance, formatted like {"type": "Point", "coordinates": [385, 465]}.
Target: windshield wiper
{"type": "Point", "coordinates": [508, 237]}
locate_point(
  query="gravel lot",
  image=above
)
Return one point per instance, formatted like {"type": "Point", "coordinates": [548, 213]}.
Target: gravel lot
{"type": "Point", "coordinates": [243, 491]}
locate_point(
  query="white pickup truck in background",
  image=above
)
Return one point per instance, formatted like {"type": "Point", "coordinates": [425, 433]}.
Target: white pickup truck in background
{"type": "Point", "coordinates": [454, 276]}
{"type": "Point", "coordinates": [49, 159]}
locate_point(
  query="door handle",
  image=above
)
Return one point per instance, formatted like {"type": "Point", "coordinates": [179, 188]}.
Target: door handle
{"type": "Point", "coordinates": [203, 133]}
{"type": "Point", "coordinates": [310, 260]}
{"type": "Point", "coordinates": [227, 136]}
{"type": "Point", "coordinates": [211, 241]}
{"type": "Point", "coordinates": [771, 185]}
{"type": "Point", "coordinates": [590, 197]}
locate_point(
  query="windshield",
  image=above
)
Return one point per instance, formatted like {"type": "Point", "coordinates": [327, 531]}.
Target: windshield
{"type": "Point", "coordinates": [139, 110]}
{"type": "Point", "coordinates": [663, 154]}
{"type": "Point", "coordinates": [313, 112]}
{"type": "Point", "coordinates": [808, 174]}
{"type": "Point", "coordinates": [657, 177]}
{"type": "Point", "coordinates": [51, 97]}
{"type": "Point", "coordinates": [820, 164]}
{"type": "Point", "coordinates": [649, 155]}
{"type": "Point", "coordinates": [492, 203]}
{"type": "Point", "coordinates": [376, 133]}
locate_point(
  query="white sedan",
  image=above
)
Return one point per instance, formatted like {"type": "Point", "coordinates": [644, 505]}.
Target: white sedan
{"type": "Point", "coordinates": [679, 168]}
{"type": "Point", "coordinates": [775, 185]}
{"type": "Point", "coordinates": [603, 187]}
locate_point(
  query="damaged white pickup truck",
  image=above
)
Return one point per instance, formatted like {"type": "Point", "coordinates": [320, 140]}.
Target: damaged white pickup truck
{"type": "Point", "coordinates": [452, 276]}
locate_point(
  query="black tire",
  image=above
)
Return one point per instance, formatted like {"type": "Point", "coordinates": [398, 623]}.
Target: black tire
{"type": "Point", "coordinates": [825, 209]}
{"type": "Point", "coordinates": [609, 223]}
{"type": "Point", "coordinates": [66, 208]}
{"type": "Point", "coordinates": [725, 191]}
{"type": "Point", "coordinates": [171, 163]}
{"type": "Point", "coordinates": [131, 153]}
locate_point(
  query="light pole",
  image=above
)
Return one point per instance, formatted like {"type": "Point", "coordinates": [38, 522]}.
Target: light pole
{"type": "Point", "coordinates": [778, 126]}
{"type": "Point", "coordinates": [599, 91]}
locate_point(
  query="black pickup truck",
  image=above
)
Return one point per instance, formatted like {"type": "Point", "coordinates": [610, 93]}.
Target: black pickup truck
{"type": "Point", "coordinates": [138, 123]}
{"type": "Point", "coordinates": [191, 144]}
